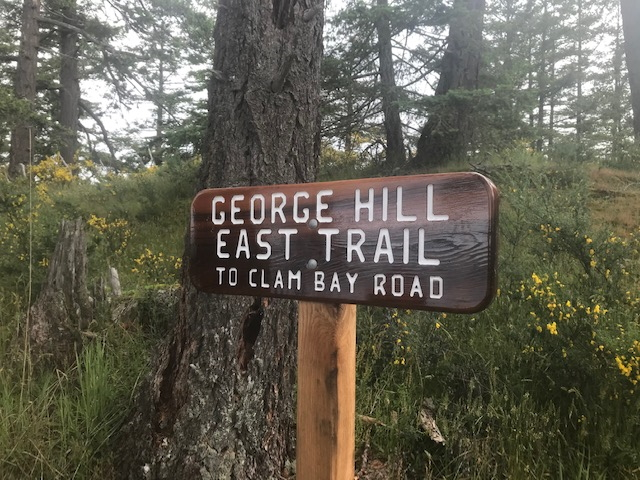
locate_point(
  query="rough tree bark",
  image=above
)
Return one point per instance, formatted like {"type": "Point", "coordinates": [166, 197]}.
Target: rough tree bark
{"type": "Point", "coordinates": [630, 10]}
{"type": "Point", "coordinates": [392, 123]}
{"type": "Point", "coordinates": [617, 102]}
{"type": "Point", "coordinates": [63, 307]}
{"type": "Point", "coordinates": [580, 81]}
{"type": "Point", "coordinates": [25, 86]}
{"type": "Point", "coordinates": [220, 403]}
{"type": "Point", "coordinates": [543, 80]}
{"type": "Point", "coordinates": [69, 83]}
{"type": "Point", "coordinates": [449, 128]}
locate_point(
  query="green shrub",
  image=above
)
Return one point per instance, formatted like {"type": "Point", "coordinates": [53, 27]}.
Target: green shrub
{"type": "Point", "coordinates": [543, 383]}
{"type": "Point", "coordinates": [60, 424]}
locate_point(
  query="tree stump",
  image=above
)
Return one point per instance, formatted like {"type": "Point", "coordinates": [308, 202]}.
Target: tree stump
{"type": "Point", "coordinates": [63, 308]}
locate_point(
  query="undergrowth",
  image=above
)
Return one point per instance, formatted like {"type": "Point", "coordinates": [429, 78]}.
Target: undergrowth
{"type": "Point", "coordinates": [60, 424]}
{"type": "Point", "coordinates": [542, 384]}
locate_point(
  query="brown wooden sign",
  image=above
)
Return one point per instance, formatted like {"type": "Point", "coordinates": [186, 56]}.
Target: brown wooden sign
{"type": "Point", "coordinates": [417, 242]}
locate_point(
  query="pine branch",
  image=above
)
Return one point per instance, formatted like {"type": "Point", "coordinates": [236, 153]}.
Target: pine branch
{"type": "Point", "coordinates": [73, 28]}
{"type": "Point", "coordinates": [105, 134]}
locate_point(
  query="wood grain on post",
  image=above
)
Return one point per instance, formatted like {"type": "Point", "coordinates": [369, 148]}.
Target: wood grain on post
{"type": "Point", "coordinates": [326, 391]}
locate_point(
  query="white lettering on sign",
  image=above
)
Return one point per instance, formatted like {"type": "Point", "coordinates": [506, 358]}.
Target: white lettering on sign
{"type": "Point", "coordinates": [368, 206]}
{"type": "Point", "coordinates": [416, 288]}
{"type": "Point", "coordinates": [235, 209]}
{"type": "Point", "coordinates": [227, 276]}
{"type": "Point", "coordinates": [360, 205]}
{"type": "Point", "coordinates": [436, 287]}
{"type": "Point", "coordinates": [217, 219]}
{"type": "Point", "coordinates": [401, 217]}
{"type": "Point", "coordinates": [328, 233]}
{"type": "Point", "coordinates": [321, 206]}
{"type": "Point", "coordinates": [222, 243]}
{"type": "Point", "coordinates": [278, 201]}
{"type": "Point", "coordinates": [296, 212]}
{"type": "Point", "coordinates": [397, 285]}
{"type": "Point", "coordinates": [264, 232]}
{"type": "Point", "coordinates": [256, 209]}
{"type": "Point", "coordinates": [385, 203]}
{"type": "Point", "coordinates": [335, 282]}
{"type": "Point", "coordinates": [431, 217]}
{"type": "Point", "coordinates": [355, 247]}
{"type": "Point", "coordinates": [383, 246]}
{"type": "Point", "coordinates": [243, 245]}
{"type": "Point", "coordinates": [259, 278]}
{"type": "Point", "coordinates": [287, 232]}
{"type": "Point", "coordinates": [264, 244]}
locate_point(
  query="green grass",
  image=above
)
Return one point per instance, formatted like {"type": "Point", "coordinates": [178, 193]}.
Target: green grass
{"type": "Point", "coordinates": [60, 424]}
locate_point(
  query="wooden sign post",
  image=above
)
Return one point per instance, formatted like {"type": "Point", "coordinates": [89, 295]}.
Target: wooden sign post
{"type": "Point", "coordinates": [423, 242]}
{"type": "Point", "coordinates": [326, 391]}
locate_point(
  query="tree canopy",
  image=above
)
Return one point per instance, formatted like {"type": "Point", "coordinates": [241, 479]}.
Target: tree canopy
{"type": "Point", "coordinates": [124, 82]}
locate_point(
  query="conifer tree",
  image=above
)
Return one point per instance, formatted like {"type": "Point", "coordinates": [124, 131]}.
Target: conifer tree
{"type": "Point", "coordinates": [631, 19]}
{"type": "Point", "coordinates": [221, 401]}
{"type": "Point", "coordinates": [22, 135]}
{"type": "Point", "coordinates": [449, 128]}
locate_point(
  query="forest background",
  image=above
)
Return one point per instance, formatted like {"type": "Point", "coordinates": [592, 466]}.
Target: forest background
{"type": "Point", "coordinates": [539, 95]}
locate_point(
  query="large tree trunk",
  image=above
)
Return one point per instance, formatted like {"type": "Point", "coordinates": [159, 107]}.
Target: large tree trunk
{"type": "Point", "coordinates": [630, 20]}
{"type": "Point", "coordinates": [543, 82]}
{"type": "Point", "coordinates": [25, 86]}
{"type": "Point", "coordinates": [221, 401]}
{"type": "Point", "coordinates": [449, 128]}
{"type": "Point", "coordinates": [617, 112]}
{"type": "Point", "coordinates": [582, 65]}
{"type": "Point", "coordinates": [69, 84]}
{"type": "Point", "coordinates": [392, 124]}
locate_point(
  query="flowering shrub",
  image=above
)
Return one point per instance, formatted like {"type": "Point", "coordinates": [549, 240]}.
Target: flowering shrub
{"type": "Point", "coordinates": [157, 268]}
{"type": "Point", "coordinates": [576, 338]}
{"type": "Point", "coordinates": [54, 169]}
{"type": "Point", "coordinates": [549, 371]}
{"type": "Point", "coordinates": [604, 260]}
{"type": "Point", "coordinates": [629, 364]}
{"type": "Point", "coordinates": [27, 231]}
{"type": "Point", "coordinates": [397, 330]}
{"type": "Point", "coordinates": [112, 235]}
